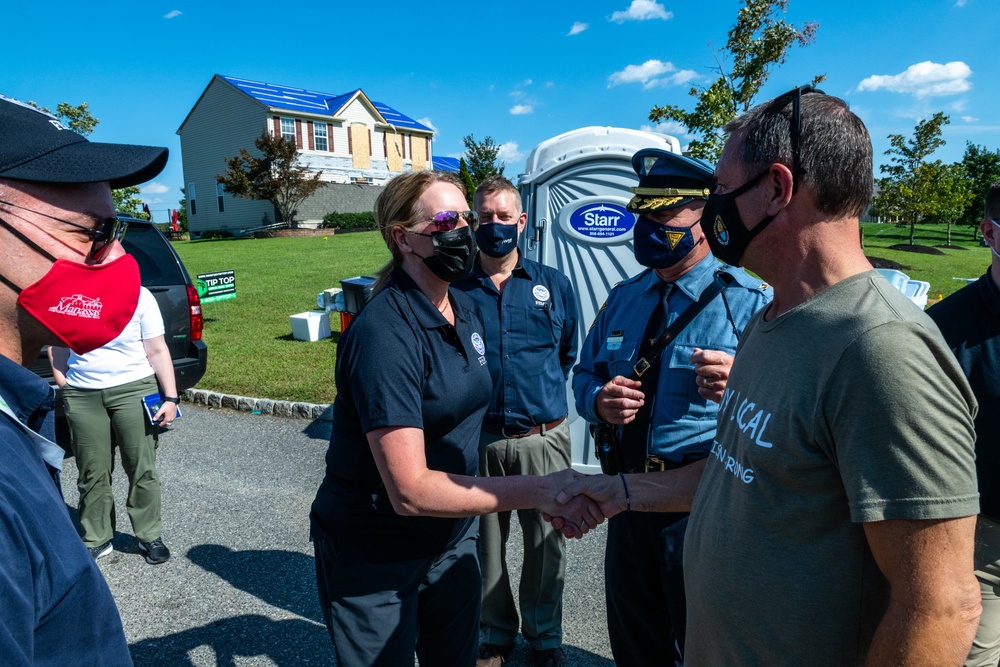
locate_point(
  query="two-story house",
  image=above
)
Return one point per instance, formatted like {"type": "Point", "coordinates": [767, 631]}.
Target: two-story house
{"type": "Point", "coordinates": [353, 142]}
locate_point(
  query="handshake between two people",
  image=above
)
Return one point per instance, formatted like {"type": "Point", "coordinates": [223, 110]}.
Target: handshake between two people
{"type": "Point", "coordinates": [579, 503]}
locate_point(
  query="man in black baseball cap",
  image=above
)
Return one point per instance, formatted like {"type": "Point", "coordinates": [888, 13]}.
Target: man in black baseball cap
{"type": "Point", "coordinates": [64, 280]}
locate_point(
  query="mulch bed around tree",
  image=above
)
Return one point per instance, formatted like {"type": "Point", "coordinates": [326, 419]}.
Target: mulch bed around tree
{"type": "Point", "coordinates": [880, 263]}
{"type": "Point", "coordinates": [925, 249]}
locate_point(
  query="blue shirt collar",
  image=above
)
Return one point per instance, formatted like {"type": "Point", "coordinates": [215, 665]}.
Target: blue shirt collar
{"type": "Point", "coordinates": [30, 398]}
{"type": "Point", "coordinates": [692, 283]}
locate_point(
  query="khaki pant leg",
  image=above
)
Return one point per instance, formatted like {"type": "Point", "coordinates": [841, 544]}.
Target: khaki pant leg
{"type": "Point", "coordinates": [541, 589]}
{"type": "Point", "coordinates": [137, 441]}
{"type": "Point", "coordinates": [90, 430]}
{"type": "Point", "coordinates": [498, 620]}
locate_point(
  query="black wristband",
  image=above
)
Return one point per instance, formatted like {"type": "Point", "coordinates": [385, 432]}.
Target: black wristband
{"type": "Point", "coordinates": [171, 399]}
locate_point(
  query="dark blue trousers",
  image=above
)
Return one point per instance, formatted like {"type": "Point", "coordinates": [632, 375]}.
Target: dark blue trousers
{"type": "Point", "coordinates": [378, 614]}
{"type": "Point", "coordinates": [644, 587]}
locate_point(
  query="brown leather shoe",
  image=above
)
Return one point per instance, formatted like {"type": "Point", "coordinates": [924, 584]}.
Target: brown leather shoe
{"type": "Point", "coordinates": [493, 655]}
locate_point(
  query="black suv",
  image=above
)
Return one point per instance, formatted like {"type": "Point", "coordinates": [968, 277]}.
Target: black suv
{"type": "Point", "coordinates": [164, 275]}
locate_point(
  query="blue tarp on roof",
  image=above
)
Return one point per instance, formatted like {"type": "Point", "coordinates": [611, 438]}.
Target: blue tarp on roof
{"type": "Point", "coordinates": [311, 101]}
{"type": "Point", "coordinates": [444, 163]}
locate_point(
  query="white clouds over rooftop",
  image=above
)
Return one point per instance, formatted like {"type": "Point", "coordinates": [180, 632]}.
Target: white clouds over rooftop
{"type": "Point", "coordinates": [154, 188]}
{"type": "Point", "coordinates": [577, 28]}
{"type": "Point", "coordinates": [521, 109]}
{"type": "Point", "coordinates": [924, 79]}
{"type": "Point", "coordinates": [642, 10]}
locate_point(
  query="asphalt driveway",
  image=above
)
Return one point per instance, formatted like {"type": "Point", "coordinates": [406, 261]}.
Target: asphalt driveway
{"type": "Point", "coordinates": [240, 587]}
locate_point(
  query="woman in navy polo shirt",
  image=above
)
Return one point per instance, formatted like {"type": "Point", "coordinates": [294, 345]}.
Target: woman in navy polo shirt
{"type": "Point", "coordinates": [393, 521]}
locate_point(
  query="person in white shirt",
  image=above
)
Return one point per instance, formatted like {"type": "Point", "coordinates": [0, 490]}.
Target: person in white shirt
{"type": "Point", "coordinates": [102, 395]}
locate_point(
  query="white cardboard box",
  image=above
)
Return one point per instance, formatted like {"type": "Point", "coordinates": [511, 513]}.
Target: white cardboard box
{"type": "Point", "coordinates": [311, 326]}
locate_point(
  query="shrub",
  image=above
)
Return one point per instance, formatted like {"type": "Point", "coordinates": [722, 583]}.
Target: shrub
{"type": "Point", "coordinates": [216, 234]}
{"type": "Point", "coordinates": [363, 220]}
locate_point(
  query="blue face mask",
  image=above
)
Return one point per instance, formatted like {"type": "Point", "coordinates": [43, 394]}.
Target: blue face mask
{"type": "Point", "coordinates": [660, 246]}
{"type": "Point", "coordinates": [496, 239]}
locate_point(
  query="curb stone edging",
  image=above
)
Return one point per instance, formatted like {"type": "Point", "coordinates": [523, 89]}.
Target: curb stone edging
{"type": "Point", "coordinates": [264, 406]}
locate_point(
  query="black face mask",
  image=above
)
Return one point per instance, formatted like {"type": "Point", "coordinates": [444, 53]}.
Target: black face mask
{"type": "Point", "coordinates": [454, 253]}
{"type": "Point", "coordinates": [727, 235]}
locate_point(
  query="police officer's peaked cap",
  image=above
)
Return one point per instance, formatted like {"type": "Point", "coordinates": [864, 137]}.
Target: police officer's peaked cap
{"type": "Point", "coordinates": [667, 180]}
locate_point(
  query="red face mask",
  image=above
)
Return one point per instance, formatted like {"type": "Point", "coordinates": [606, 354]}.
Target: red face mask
{"type": "Point", "coordinates": [85, 306]}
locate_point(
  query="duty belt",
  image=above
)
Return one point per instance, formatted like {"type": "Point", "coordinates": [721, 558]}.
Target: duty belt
{"type": "Point", "coordinates": [534, 430]}
{"type": "Point", "coordinates": [656, 464]}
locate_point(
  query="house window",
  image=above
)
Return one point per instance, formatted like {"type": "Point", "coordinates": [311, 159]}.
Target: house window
{"type": "Point", "coordinates": [319, 133]}
{"type": "Point", "coordinates": [219, 192]}
{"type": "Point", "coordinates": [288, 129]}
{"type": "Point", "coordinates": [190, 198]}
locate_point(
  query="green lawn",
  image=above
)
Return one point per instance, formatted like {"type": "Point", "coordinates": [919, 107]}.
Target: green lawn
{"type": "Point", "coordinates": [251, 349]}
{"type": "Point", "coordinates": [964, 259]}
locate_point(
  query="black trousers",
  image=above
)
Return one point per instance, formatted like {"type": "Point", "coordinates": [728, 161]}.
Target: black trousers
{"type": "Point", "coordinates": [644, 587]}
{"type": "Point", "coordinates": [378, 614]}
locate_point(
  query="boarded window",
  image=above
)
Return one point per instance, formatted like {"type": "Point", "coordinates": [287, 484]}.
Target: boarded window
{"type": "Point", "coordinates": [418, 150]}
{"type": "Point", "coordinates": [360, 147]}
{"type": "Point", "coordinates": [393, 151]}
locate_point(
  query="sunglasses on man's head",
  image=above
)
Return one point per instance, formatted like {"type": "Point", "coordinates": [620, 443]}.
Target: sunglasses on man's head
{"type": "Point", "coordinates": [777, 105]}
{"type": "Point", "coordinates": [445, 221]}
{"type": "Point", "coordinates": [106, 231]}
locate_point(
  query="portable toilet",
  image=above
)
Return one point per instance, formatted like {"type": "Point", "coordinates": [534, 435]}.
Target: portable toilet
{"type": "Point", "coordinates": [574, 190]}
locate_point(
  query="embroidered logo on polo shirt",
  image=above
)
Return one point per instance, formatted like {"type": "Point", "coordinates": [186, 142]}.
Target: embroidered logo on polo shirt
{"type": "Point", "coordinates": [477, 342]}
{"type": "Point", "coordinates": [541, 292]}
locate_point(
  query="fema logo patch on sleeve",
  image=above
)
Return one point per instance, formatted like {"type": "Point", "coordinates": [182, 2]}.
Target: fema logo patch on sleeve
{"type": "Point", "coordinates": [477, 342]}
{"type": "Point", "coordinates": [541, 292]}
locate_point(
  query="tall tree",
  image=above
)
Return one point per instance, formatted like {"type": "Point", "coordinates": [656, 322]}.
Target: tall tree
{"type": "Point", "coordinates": [466, 176]}
{"type": "Point", "coordinates": [127, 202]}
{"type": "Point", "coordinates": [482, 159]}
{"type": "Point", "coordinates": [982, 168]}
{"type": "Point", "coordinates": [76, 118]}
{"type": "Point", "coordinates": [916, 188]}
{"type": "Point", "coordinates": [756, 44]}
{"type": "Point", "coordinates": [275, 176]}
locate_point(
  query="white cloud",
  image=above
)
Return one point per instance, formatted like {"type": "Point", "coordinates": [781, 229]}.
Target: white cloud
{"type": "Point", "coordinates": [427, 121]}
{"type": "Point", "coordinates": [528, 82]}
{"type": "Point", "coordinates": [154, 200]}
{"type": "Point", "coordinates": [172, 14]}
{"type": "Point", "coordinates": [650, 75]}
{"type": "Point", "coordinates": [970, 119]}
{"type": "Point", "coordinates": [924, 79]}
{"type": "Point", "coordinates": [642, 10]}
{"type": "Point", "coordinates": [509, 152]}
{"type": "Point", "coordinates": [960, 3]}
{"type": "Point", "coordinates": [671, 127]}
{"type": "Point", "coordinates": [577, 28]}
{"type": "Point", "coordinates": [521, 109]}
{"type": "Point", "coordinates": [154, 188]}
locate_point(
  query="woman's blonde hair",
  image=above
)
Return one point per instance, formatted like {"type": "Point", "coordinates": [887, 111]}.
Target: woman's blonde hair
{"type": "Point", "coordinates": [396, 206]}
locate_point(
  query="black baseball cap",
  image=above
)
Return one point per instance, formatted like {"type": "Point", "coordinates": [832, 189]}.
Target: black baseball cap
{"type": "Point", "coordinates": [36, 146]}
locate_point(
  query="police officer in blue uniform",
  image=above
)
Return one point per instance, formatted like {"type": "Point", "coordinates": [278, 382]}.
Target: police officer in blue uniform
{"type": "Point", "coordinates": [530, 320]}
{"type": "Point", "coordinates": [396, 560]}
{"type": "Point", "coordinates": [668, 419]}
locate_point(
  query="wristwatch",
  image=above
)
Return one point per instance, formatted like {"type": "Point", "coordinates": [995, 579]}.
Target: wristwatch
{"type": "Point", "coordinates": [171, 399]}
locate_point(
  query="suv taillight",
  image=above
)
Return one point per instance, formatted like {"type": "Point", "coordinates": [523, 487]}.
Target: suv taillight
{"type": "Point", "coordinates": [194, 305]}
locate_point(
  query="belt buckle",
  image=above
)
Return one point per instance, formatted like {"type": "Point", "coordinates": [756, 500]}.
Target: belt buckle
{"type": "Point", "coordinates": [655, 464]}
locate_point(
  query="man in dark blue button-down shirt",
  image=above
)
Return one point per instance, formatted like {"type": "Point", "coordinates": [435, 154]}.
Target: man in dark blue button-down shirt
{"type": "Point", "coordinates": [530, 314]}
{"type": "Point", "coordinates": [58, 244]}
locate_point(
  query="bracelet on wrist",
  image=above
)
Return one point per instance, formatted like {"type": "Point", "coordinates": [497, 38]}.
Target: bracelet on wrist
{"type": "Point", "coordinates": [171, 399]}
{"type": "Point", "coordinates": [628, 501]}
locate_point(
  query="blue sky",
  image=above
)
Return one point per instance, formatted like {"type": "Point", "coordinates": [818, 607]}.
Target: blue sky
{"type": "Point", "coordinates": [520, 72]}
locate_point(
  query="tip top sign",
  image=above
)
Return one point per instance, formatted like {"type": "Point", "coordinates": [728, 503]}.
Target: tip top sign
{"type": "Point", "coordinates": [217, 286]}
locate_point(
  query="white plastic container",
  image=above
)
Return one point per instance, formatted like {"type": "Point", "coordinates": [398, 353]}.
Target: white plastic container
{"type": "Point", "coordinates": [310, 326]}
